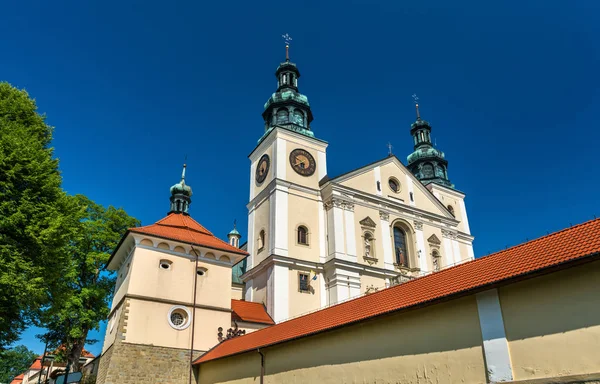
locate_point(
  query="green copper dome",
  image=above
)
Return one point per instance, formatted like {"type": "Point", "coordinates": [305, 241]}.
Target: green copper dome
{"type": "Point", "coordinates": [181, 188]}
{"type": "Point", "coordinates": [181, 196]}
{"type": "Point", "coordinates": [234, 232]}
{"type": "Point", "coordinates": [287, 108]}
{"type": "Point", "coordinates": [424, 152]}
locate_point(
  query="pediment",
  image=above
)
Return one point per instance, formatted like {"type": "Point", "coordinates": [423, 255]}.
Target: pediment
{"type": "Point", "coordinates": [367, 222]}
{"type": "Point", "coordinates": [433, 239]}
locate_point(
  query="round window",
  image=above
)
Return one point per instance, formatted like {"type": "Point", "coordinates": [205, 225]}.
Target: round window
{"type": "Point", "coordinates": [394, 185]}
{"type": "Point", "coordinates": [179, 317]}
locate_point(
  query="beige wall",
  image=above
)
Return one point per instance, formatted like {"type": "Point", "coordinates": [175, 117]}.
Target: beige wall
{"type": "Point", "coordinates": [148, 324]}
{"type": "Point", "coordinates": [112, 327]}
{"type": "Point", "coordinates": [448, 199]}
{"type": "Point", "coordinates": [259, 288]}
{"type": "Point", "coordinates": [303, 210]}
{"type": "Point", "coordinates": [414, 347]}
{"type": "Point", "coordinates": [367, 281]}
{"type": "Point", "coordinates": [261, 222]}
{"type": "Point", "coordinates": [302, 302]}
{"type": "Point", "coordinates": [553, 323]}
{"type": "Point", "coordinates": [237, 292]}
{"type": "Point", "coordinates": [148, 279]}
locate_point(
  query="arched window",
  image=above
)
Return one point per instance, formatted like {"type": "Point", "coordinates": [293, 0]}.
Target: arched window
{"type": "Point", "coordinates": [451, 210]}
{"type": "Point", "coordinates": [302, 235]}
{"type": "Point", "coordinates": [261, 240]}
{"type": "Point", "coordinates": [427, 171]}
{"type": "Point", "coordinates": [298, 118]}
{"type": "Point", "coordinates": [400, 246]}
{"type": "Point", "coordinates": [282, 116]}
{"type": "Point", "coordinates": [369, 245]}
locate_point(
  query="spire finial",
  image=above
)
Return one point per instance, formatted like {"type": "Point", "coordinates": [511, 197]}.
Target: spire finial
{"type": "Point", "coordinates": [287, 39]}
{"type": "Point", "coordinates": [234, 223]}
{"type": "Point", "coordinates": [183, 172]}
{"type": "Point", "coordinates": [416, 100]}
{"type": "Point", "coordinates": [389, 145]}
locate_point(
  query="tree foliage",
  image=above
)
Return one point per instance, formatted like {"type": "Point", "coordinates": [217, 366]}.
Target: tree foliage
{"type": "Point", "coordinates": [15, 361]}
{"type": "Point", "coordinates": [82, 301]}
{"type": "Point", "coordinates": [35, 214]}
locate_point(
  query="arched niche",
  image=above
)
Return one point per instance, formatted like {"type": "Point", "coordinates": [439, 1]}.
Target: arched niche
{"type": "Point", "coordinates": [179, 249]}
{"type": "Point", "coordinates": [147, 242]}
{"type": "Point", "coordinates": [163, 245]}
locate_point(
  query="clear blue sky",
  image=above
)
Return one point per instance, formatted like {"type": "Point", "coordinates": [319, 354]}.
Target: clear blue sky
{"type": "Point", "coordinates": [511, 88]}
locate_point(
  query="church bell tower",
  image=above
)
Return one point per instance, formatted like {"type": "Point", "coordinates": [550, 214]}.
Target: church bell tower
{"type": "Point", "coordinates": [427, 163]}
{"type": "Point", "coordinates": [286, 219]}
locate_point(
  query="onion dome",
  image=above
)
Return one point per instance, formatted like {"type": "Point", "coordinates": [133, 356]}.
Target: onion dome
{"type": "Point", "coordinates": [427, 163]}
{"type": "Point", "coordinates": [181, 196]}
{"type": "Point", "coordinates": [287, 107]}
{"type": "Point", "coordinates": [234, 236]}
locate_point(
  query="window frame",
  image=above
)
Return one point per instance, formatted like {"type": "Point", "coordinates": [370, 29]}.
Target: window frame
{"type": "Point", "coordinates": [306, 238]}
{"type": "Point", "coordinates": [405, 247]}
{"type": "Point", "coordinates": [307, 290]}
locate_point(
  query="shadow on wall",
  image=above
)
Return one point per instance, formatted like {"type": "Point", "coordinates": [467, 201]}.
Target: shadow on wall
{"type": "Point", "coordinates": [425, 336]}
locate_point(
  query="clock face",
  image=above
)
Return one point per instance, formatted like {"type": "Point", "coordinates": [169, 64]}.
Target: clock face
{"type": "Point", "coordinates": [302, 162]}
{"type": "Point", "coordinates": [262, 169]}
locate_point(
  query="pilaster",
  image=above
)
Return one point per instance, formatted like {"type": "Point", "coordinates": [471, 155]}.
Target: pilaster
{"type": "Point", "coordinates": [386, 238]}
{"type": "Point", "coordinates": [495, 345]}
{"type": "Point", "coordinates": [421, 251]}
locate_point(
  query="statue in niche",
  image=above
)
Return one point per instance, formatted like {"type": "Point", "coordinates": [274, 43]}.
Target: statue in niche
{"type": "Point", "coordinates": [367, 247]}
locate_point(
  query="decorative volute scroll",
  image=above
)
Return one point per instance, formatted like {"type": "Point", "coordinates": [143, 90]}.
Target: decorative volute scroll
{"type": "Point", "coordinates": [418, 225]}
{"type": "Point", "coordinates": [384, 215]}
{"type": "Point", "coordinates": [367, 222]}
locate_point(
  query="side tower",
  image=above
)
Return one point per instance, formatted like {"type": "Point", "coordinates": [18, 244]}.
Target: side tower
{"type": "Point", "coordinates": [430, 166]}
{"type": "Point", "coordinates": [286, 222]}
{"type": "Point", "coordinates": [173, 291]}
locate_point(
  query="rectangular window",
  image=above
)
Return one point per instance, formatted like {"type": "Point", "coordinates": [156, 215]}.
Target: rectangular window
{"type": "Point", "coordinates": [303, 285]}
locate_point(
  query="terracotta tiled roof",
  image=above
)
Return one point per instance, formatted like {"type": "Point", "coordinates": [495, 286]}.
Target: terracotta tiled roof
{"type": "Point", "coordinates": [37, 364]}
{"type": "Point", "coordinates": [18, 379]}
{"type": "Point", "coordinates": [250, 312]}
{"type": "Point", "coordinates": [548, 251]}
{"type": "Point", "coordinates": [180, 227]}
{"type": "Point", "coordinates": [84, 352]}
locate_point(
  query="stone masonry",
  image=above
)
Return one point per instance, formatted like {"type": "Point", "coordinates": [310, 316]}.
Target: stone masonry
{"type": "Point", "coordinates": [126, 363]}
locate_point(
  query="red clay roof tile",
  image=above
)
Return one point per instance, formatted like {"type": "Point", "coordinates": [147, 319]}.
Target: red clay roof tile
{"type": "Point", "coordinates": [548, 251]}
{"type": "Point", "coordinates": [250, 312]}
{"type": "Point", "coordinates": [180, 227]}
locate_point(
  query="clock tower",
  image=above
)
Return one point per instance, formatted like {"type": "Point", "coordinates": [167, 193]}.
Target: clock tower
{"type": "Point", "coordinates": [286, 218]}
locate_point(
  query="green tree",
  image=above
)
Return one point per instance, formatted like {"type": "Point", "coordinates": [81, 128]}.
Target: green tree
{"type": "Point", "coordinates": [83, 301]}
{"type": "Point", "coordinates": [15, 361]}
{"type": "Point", "coordinates": [36, 216]}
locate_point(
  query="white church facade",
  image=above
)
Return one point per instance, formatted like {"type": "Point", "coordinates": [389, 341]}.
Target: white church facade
{"type": "Point", "coordinates": [313, 241]}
